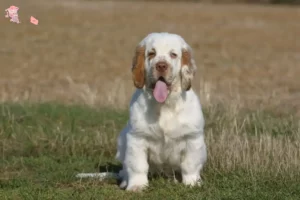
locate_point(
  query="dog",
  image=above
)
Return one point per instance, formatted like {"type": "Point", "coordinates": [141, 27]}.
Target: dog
{"type": "Point", "coordinates": [165, 131]}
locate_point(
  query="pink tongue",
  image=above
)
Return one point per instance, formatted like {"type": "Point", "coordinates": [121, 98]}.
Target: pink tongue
{"type": "Point", "coordinates": [160, 91]}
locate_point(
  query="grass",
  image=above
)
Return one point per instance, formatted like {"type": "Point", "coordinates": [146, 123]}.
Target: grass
{"type": "Point", "coordinates": [43, 146]}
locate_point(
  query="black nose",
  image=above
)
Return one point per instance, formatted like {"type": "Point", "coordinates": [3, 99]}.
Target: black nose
{"type": "Point", "coordinates": [161, 66]}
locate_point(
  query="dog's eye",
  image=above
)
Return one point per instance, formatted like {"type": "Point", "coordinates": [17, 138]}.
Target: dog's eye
{"type": "Point", "coordinates": [173, 55]}
{"type": "Point", "coordinates": [151, 54]}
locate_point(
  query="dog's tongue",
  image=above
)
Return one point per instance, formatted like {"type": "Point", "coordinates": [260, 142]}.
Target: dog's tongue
{"type": "Point", "coordinates": [160, 91]}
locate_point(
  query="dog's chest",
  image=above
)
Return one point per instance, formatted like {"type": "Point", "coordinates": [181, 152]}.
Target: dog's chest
{"type": "Point", "coordinates": [166, 124]}
{"type": "Point", "coordinates": [166, 152]}
{"type": "Point", "coordinates": [167, 142]}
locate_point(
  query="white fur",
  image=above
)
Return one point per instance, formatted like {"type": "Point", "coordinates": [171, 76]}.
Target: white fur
{"type": "Point", "coordinates": [167, 136]}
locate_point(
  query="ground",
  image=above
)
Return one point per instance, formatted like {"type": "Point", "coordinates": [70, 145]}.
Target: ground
{"type": "Point", "coordinates": [66, 84]}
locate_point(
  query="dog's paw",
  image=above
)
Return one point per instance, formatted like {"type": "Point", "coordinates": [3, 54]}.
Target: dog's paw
{"type": "Point", "coordinates": [137, 182]}
{"type": "Point", "coordinates": [136, 188]}
{"type": "Point", "coordinates": [198, 183]}
{"type": "Point", "coordinates": [123, 184]}
{"type": "Point", "coordinates": [192, 180]}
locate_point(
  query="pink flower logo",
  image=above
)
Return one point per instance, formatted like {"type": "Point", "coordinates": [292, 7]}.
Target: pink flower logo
{"type": "Point", "coordinates": [12, 13]}
{"type": "Point", "coordinates": [34, 20]}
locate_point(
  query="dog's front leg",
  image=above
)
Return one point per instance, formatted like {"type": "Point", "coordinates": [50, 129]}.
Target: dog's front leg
{"type": "Point", "coordinates": [194, 158]}
{"type": "Point", "coordinates": [136, 164]}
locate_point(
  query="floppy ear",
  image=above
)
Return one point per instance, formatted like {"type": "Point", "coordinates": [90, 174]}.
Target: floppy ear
{"type": "Point", "coordinates": [138, 67]}
{"type": "Point", "coordinates": [188, 68]}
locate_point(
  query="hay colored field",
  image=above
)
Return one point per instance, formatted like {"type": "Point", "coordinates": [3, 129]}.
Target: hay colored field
{"type": "Point", "coordinates": [82, 50]}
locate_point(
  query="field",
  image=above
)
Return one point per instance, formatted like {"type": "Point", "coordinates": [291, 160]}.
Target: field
{"type": "Point", "coordinates": [66, 84]}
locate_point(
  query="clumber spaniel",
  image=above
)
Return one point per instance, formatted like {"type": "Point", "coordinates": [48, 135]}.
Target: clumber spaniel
{"type": "Point", "coordinates": [165, 129]}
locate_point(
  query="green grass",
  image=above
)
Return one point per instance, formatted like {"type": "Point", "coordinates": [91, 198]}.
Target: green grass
{"type": "Point", "coordinates": [42, 147]}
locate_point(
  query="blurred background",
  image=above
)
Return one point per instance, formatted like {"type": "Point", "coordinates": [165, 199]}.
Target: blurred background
{"type": "Point", "coordinates": [247, 51]}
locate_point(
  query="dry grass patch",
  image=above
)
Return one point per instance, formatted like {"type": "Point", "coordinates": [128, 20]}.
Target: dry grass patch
{"type": "Point", "coordinates": [82, 50]}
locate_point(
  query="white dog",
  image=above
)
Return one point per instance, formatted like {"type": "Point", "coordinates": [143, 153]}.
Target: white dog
{"type": "Point", "coordinates": [166, 123]}
{"type": "Point", "coordinates": [165, 129]}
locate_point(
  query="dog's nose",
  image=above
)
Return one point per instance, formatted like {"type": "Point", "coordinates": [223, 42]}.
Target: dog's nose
{"type": "Point", "coordinates": [161, 66]}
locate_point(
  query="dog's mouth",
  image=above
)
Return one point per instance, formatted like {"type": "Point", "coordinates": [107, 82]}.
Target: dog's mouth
{"type": "Point", "coordinates": [160, 89]}
{"type": "Point", "coordinates": [162, 79]}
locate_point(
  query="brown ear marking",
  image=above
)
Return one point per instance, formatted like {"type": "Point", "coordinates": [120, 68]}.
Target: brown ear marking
{"type": "Point", "coordinates": [186, 58]}
{"type": "Point", "coordinates": [187, 74]}
{"type": "Point", "coordinates": [138, 67]}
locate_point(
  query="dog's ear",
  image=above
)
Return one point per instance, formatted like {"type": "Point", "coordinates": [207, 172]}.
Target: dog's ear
{"type": "Point", "coordinates": [138, 67]}
{"type": "Point", "coordinates": [188, 68]}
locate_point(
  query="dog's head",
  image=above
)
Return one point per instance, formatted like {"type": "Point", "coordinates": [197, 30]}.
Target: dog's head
{"type": "Point", "coordinates": [163, 62]}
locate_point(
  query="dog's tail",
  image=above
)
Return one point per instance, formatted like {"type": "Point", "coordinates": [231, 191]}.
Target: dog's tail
{"type": "Point", "coordinates": [101, 176]}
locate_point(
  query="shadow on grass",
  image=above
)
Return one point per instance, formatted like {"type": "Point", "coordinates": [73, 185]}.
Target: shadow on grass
{"type": "Point", "coordinates": [115, 168]}
{"type": "Point", "coordinates": [110, 167]}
